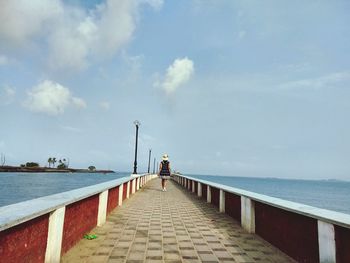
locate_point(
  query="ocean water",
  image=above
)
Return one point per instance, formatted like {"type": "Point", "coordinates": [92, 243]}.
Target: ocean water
{"type": "Point", "coordinates": [332, 195]}
{"type": "Point", "coordinates": [18, 187]}
{"type": "Point", "coordinates": [326, 194]}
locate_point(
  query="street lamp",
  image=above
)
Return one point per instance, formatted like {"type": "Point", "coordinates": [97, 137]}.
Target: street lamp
{"type": "Point", "coordinates": [154, 165]}
{"type": "Point", "coordinates": [149, 160]}
{"type": "Point", "coordinates": [137, 124]}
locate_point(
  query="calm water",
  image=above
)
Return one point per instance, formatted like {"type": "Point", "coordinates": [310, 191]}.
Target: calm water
{"type": "Point", "coordinates": [332, 195]}
{"type": "Point", "coordinates": [18, 187]}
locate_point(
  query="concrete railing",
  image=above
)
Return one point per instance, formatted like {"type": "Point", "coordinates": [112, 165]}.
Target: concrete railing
{"type": "Point", "coordinates": [42, 229]}
{"type": "Point", "coordinates": [305, 233]}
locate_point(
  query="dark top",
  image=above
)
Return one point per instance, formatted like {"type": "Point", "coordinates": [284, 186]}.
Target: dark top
{"type": "Point", "coordinates": [165, 169]}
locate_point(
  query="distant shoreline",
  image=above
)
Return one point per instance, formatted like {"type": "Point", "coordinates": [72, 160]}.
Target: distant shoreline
{"type": "Point", "coordinates": [17, 169]}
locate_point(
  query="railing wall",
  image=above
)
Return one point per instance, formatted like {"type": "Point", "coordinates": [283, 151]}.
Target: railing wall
{"type": "Point", "coordinates": [42, 229]}
{"type": "Point", "coordinates": [305, 233]}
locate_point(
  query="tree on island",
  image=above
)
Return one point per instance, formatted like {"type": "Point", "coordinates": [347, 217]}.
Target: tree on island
{"type": "Point", "coordinates": [62, 164]}
{"type": "Point", "coordinates": [32, 164]}
{"type": "Point", "coordinates": [92, 168]}
{"type": "Point", "coordinates": [49, 161]}
{"type": "Point", "coordinates": [66, 162]}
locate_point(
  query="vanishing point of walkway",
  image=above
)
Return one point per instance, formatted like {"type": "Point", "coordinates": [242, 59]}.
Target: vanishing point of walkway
{"type": "Point", "coordinates": [172, 226]}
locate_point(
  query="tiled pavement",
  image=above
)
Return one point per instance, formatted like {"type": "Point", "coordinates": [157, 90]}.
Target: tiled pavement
{"type": "Point", "coordinates": [172, 226]}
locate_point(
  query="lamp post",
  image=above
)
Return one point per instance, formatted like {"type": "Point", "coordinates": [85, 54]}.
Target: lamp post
{"type": "Point", "coordinates": [149, 160]}
{"type": "Point", "coordinates": [154, 165]}
{"type": "Point", "coordinates": [137, 124]}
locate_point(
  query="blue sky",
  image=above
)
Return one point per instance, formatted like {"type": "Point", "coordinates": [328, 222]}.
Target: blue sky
{"type": "Point", "coordinates": [242, 88]}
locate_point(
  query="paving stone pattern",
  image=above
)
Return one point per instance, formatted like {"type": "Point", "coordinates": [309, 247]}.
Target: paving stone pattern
{"type": "Point", "coordinates": [172, 226]}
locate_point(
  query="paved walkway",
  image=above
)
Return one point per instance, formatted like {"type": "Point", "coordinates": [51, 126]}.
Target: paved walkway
{"type": "Point", "coordinates": [172, 226]}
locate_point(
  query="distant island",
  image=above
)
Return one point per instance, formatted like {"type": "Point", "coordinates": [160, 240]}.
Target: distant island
{"type": "Point", "coordinates": [38, 169]}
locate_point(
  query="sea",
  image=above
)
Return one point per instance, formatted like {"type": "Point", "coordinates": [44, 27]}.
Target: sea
{"type": "Point", "coordinates": [327, 194]}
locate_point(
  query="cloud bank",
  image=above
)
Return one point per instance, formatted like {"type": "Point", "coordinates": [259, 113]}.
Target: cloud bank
{"type": "Point", "coordinates": [74, 36]}
{"type": "Point", "coordinates": [51, 98]}
{"type": "Point", "coordinates": [177, 74]}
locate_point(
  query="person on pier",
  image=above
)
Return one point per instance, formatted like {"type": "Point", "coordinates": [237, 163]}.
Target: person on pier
{"type": "Point", "coordinates": [164, 171]}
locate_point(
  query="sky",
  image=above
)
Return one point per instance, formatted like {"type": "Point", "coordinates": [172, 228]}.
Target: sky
{"type": "Point", "coordinates": [224, 87]}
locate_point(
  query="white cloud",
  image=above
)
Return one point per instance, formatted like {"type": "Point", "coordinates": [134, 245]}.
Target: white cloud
{"type": "Point", "coordinates": [79, 103]}
{"type": "Point", "coordinates": [177, 74]}
{"type": "Point", "coordinates": [330, 80]}
{"type": "Point", "coordinates": [51, 98]}
{"type": "Point", "coordinates": [74, 36]}
{"type": "Point", "coordinates": [20, 20]}
{"type": "Point", "coordinates": [7, 94]}
{"type": "Point", "coordinates": [105, 105]}
{"type": "Point", "coordinates": [10, 92]}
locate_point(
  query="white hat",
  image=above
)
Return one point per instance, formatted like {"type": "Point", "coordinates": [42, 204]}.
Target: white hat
{"type": "Point", "coordinates": [165, 157]}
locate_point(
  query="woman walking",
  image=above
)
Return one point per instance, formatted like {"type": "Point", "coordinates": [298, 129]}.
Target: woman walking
{"type": "Point", "coordinates": [164, 171]}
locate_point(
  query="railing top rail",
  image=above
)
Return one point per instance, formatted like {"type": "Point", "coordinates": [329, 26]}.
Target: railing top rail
{"type": "Point", "coordinates": [15, 214]}
{"type": "Point", "coordinates": [325, 215]}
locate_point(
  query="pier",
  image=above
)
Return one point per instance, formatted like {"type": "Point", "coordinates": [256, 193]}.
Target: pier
{"type": "Point", "coordinates": [172, 226]}
{"type": "Point", "coordinates": [194, 221]}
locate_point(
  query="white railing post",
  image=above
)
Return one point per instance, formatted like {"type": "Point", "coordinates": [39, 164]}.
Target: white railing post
{"type": "Point", "coordinates": [102, 208]}
{"type": "Point", "coordinates": [133, 186]}
{"type": "Point", "coordinates": [222, 201]}
{"type": "Point", "coordinates": [54, 236]}
{"type": "Point", "coordinates": [193, 190]}
{"type": "Point", "coordinates": [208, 194]}
{"type": "Point", "coordinates": [138, 184]}
{"type": "Point", "coordinates": [199, 190]}
{"type": "Point", "coordinates": [128, 190]}
{"type": "Point", "coordinates": [248, 214]}
{"type": "Point", "coordinates": [120, 198]}
{"type": "Point", "coordinates": [326, 242]}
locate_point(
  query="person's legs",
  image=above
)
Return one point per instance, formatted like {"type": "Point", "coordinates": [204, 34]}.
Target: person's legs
{"type": "Point", "coordinates": [163, 183]}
